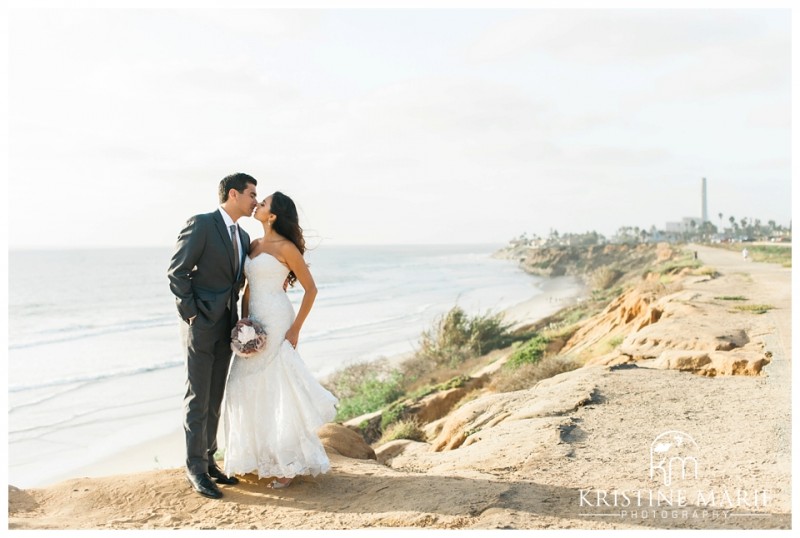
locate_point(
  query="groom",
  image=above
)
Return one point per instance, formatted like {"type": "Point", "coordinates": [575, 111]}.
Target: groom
{"type": "Point", "coordinates": [205, 275]}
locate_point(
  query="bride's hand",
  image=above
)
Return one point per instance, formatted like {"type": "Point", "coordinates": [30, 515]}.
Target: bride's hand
{"type": "Point", "coordinates": [292, 335]}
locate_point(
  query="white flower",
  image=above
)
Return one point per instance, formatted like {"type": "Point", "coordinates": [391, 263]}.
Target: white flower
{"type": "Point", "coordinates": [246, 334]}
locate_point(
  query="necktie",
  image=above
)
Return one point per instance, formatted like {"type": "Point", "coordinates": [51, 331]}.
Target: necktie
{"type": "Point", "coordinates": [235, 250]}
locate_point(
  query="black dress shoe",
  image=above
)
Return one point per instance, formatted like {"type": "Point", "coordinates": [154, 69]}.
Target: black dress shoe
{"type": "Point", "coordinates": [220, 477]}
{"type": "Point", "coordinates": [203, 485]}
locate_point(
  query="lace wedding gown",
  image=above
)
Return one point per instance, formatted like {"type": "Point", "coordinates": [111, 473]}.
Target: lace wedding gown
{"type": "Point", "coordinates": [273, 405]}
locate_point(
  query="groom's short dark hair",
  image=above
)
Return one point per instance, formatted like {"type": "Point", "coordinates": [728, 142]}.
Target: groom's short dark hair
{"type": "Point", "coordinates": [234, 181]}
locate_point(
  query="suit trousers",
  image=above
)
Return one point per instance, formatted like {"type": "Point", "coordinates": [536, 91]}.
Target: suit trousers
{"type": "Point", "coordinates": [208, 359]}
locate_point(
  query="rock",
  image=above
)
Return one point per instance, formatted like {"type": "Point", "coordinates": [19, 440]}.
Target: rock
{"type": "Point", "coordinates": [433, 429]}
{"type": "Point", "coordinates": [550, 397]}
{"type": "Point", "coordinates": [632, 311]}
{"type": "Point", "coordinates": [368, 426]}
{"type": "Point", "coordinates": [739, 362]}
{"type": "Point", "coordinates": [20, 501]}
{"type": "Point", "coordinates": [679, 331]}
{"type": "Point", "coordinates": [387, 452]}
{"type": "Point", "coordinates": [686, 325]}
{"type": "Point", "coordinates": [344, 441]}
{"type": "Point", "coordinates": [686, 361]}
{"type": "Point", "coordinates": [435, 406]}
{"type": "Point", "coordinates": [615, 358]}
{"type": "Point", "coordinates": [517, 431]}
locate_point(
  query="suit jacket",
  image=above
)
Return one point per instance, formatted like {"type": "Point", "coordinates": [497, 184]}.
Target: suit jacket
{"type": "Point", "coordinates": [201, 272]}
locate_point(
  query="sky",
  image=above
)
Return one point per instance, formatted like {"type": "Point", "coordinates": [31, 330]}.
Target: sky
{"type": "Point", "coordinates": [395, 126]}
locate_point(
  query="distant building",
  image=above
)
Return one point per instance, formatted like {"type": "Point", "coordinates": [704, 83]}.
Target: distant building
{"type": "Point", "coordinates": [685, 225]}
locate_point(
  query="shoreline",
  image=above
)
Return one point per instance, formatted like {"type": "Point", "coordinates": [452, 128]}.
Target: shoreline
{"type": "Point", "coordinates": [532, 455]}
{"type": "Point", "coordinates": [166, 451]}
{"type": "Point", "coordinates": [556, 293]}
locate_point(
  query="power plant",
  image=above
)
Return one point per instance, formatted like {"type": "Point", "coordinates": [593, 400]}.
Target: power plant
{"type": "Point", "coordinates": [705, 202]}
{"type": "Point", "coordinates": [689, 224]}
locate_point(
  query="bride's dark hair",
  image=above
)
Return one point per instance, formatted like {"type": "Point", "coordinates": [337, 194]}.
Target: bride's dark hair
{"type": "Point", "coordinates": [287, 224]}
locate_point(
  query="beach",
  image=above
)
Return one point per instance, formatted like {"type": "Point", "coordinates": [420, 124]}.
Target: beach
{"type": "Point", "coordinates": [95, 368]}
{"type": "Point", "coordinates": [166, 451]}
{"type": "Point", "coordinates": [571, 452]}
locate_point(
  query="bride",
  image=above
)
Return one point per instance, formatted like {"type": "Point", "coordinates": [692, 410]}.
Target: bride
{"type": "Point", "coordinates": [273, 405]}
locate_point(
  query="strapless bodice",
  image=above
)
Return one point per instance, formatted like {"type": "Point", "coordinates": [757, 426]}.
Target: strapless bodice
{"type": "Point", "coordinates": [265, 274]}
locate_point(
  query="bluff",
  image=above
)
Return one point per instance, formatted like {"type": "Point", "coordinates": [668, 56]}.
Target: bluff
{"type": "Point", "coordinates": [582, 260]}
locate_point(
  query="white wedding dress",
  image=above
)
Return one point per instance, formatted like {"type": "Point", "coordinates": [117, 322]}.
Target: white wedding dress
{"type": "Point", "coordinates": [273, 405]}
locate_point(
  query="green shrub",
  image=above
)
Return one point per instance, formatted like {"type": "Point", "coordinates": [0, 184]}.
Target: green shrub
{"type": "Point", "coordinates": [457, 337]}
{"type": "Point", "coordinates": [528, 353]}
{"type": "Point", "coordinates": [392, 414]}
{"type": "Point", "coordinates": [731, 298]}
{"type": "Point", "coordinates": [673, 267]}
{"type": "Point", "coordinates": [615, 341]}
{"type": "Point", "coordinates": [347, 382]}
{"type": "Point", "coordinates": [604, 277]}
{"type": "Point", "coordinates": [754, 308]}
{"type": "Point", "coordinates": [451, 383]}
{"type": "Point", "coordinates": [371, 394]}
{"type": "Point", "coordinates": [404, 429]}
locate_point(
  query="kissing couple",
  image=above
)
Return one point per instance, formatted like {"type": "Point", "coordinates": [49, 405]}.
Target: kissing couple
{"type": "Point", "coordinates": [272, 404]}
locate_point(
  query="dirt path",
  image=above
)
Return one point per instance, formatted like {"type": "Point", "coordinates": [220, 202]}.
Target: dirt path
{"type": "Point", "coordinates": [741, 424]}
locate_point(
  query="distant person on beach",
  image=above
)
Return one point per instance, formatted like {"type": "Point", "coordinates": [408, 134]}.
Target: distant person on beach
{"type": "Point", "coordinates": [205, 275]}
{"type": "Point", "coordinates": [273, 404]}
{"type": "Point", "coordinates": [745, 254]}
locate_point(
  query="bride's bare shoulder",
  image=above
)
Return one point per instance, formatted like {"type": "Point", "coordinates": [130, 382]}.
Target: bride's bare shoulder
{"type": "Point", "coordinates": [287, 247]}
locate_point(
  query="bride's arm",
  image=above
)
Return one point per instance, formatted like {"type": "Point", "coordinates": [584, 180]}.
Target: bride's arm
{"type": "Point", "coordinates": [299, 267]}
{"type": "Point", "coordinates": [246, 299]}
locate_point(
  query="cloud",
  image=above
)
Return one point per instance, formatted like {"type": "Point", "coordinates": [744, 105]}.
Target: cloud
{"type": "Point", "coordinates": [546, 117]}
{"type": "Point", "coordinates": [614, 35]}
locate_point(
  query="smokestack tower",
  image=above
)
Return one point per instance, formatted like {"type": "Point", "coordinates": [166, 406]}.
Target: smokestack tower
{"type": "Point", "coordinates": [705, 202]}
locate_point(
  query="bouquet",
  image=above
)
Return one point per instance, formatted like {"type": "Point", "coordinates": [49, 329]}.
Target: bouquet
{"type": "Point", "coordinates": [248, 338]}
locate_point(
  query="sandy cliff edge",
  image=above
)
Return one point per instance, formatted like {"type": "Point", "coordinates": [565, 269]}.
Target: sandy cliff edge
{"type": "Point", "coordinates": [547, 457]}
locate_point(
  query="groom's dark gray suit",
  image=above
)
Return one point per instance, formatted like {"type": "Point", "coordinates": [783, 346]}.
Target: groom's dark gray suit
{"type": "Point", "coordinates": [203, 279]}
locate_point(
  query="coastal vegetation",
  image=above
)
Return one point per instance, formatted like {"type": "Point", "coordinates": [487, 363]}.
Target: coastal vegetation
{"type": "Point", "coordinates": [383, 395]}
{"type": "Point", "coordinates": [384, 398]}
{"type": "Point", "coordinates": [779, 253]}
{"type": "Point", "coordinates": [403, 429]}
{"type": "Point", "coordinates": [454, 339]}
{"type": "Point", "coordinates": [457, 337]}
{"type": "Point", "coordinates": [754, 308]}
{"type": "Point", "coordinates": [529, 353]}
{"type": "Point", "coordinates": [364, 387]}
{"type": "Point", "coordinates": [527, 375]}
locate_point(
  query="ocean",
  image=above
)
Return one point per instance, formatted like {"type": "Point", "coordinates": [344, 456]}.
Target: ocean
{"type": "Point", "coordinates": [95, 362]}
